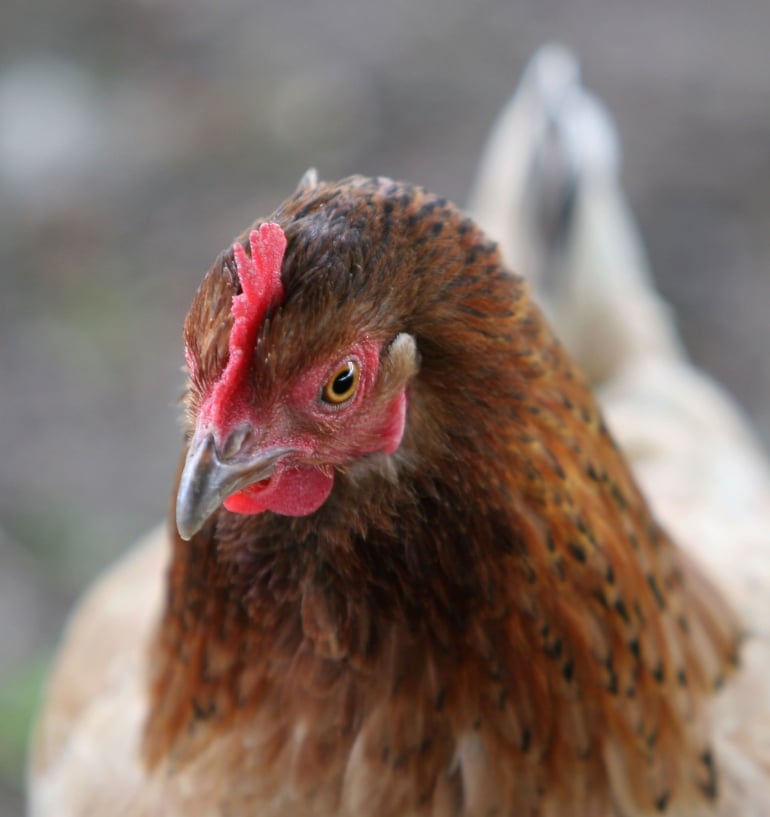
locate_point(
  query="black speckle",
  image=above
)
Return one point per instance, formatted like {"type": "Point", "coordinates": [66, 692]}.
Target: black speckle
{"type": "Point", "coordinates": [477, 313]}
{"type": "Point", "coordinates": [659, 673]}
{"type": "Point", "coordinates": [635, 648]}
{"type": "Point", "coordinates": [622, 610]}
{"type": "Point", "coordinates": [656, 591]}
{"type": "Point", "coordinates": [427, 208]}
{"type": "Point", "coordinates": [437, 228]}
{"type": "Point", "coordinates": [577, 551]}
{"type": "Point", "coordinates": [681, 677]}
{"type": "Point", "coordinates": [609, 576]}
{"type": "Point", "coordinates": [601, 598]}
{"type": "Point", "coordinates": [201, 712]}
{"type": "Point", "coordinates": [306, 209]}
{"type": "Point", "coordinates": [661, 804]}
{"type": "Point", "coordinates": [553, 651]}
{"type": "Point", "coordinates": [568, 671]}
{"type": "Point", "coordinates": [526, 740]}
{"type": "Point", "coordinates": [709, 786]}
{"type": "Point", "coordinates": [558, 470]}
{"type": "Point", "coordinates": [583, 529]}
{"type": "Point", "coordinates": [472, 255]}
{"type": "Point", "coordinates": [619, 497]}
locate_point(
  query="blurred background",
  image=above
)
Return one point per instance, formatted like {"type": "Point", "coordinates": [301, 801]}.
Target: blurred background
{"type": "Point", "coordinates": [137, 138]}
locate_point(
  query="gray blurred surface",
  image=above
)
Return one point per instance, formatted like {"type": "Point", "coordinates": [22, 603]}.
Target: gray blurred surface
{"type": "Point", "coordinates": [137, 138]}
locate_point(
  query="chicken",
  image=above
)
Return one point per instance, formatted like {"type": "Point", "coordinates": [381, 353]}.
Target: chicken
{"type": "Point", "coordinates": [408, 570]}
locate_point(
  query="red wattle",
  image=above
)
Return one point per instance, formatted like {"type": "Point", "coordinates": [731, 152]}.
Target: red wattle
{"type": "Point", "coordinates": [290, 492]}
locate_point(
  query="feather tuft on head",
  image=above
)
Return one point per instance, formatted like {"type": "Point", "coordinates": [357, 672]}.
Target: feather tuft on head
{"type": "Point", "coordinates": [260, 278]}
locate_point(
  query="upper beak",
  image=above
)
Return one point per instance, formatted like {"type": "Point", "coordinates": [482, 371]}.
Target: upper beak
{"type": "Point", "coordinates": [207, 480]}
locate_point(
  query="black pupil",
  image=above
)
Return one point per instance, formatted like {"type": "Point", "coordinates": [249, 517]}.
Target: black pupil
{"type": "Point", "coordinates": [343, 381]}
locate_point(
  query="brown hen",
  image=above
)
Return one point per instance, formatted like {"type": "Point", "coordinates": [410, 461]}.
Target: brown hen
{"type": "Point", "coordinates": [420, 579]}
{"type": "Point", "coordinates": [440, 594]}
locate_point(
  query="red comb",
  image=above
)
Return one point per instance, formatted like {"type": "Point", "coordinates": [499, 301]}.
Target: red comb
{"type": "Point", "coordinates": [260, 278]}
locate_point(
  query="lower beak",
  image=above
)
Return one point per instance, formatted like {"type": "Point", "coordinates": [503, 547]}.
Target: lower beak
{"type": "Point", "coordinates": [207, 480]}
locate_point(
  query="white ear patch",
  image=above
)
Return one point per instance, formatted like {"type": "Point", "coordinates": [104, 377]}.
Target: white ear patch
{"type": "Point", "coordinates": [402, 358]}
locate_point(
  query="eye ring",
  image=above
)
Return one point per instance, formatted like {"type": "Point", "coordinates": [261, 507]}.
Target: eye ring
{"type": "Point", "coordinates": [342, 384]}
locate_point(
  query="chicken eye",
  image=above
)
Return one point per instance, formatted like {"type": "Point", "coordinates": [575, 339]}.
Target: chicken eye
{"type": "Point", "coordinates": [342, 385]}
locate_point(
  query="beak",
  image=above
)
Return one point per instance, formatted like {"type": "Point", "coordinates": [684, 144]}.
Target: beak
{"type": "Point", "coordinates": [207, 480]}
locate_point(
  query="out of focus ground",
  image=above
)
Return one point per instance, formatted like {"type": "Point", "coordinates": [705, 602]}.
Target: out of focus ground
{"type": "Point", "coordinates": [137, 138]}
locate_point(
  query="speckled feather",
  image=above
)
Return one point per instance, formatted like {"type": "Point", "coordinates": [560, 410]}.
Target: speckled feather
{"type": "Point", "coordinates": [488, 621]}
